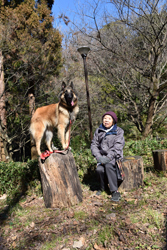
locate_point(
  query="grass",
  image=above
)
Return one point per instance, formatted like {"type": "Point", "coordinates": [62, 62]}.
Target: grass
{"type": "Point", "coordinates": [80, 215]}
{"type": "Point", "coordinates": [105, 235]}
{"type": "Point", "coordinates": [148, 216]}
{"type": "Point", "coordinates": [51, 245]}
{"type": "Point", "coordinates": [139, 221]}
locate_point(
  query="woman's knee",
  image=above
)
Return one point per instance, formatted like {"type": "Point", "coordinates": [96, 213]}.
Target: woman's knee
{"type": "Point", "coordinates": [110, 167]}
{"type": "Point", "coordinates": [100, 169]}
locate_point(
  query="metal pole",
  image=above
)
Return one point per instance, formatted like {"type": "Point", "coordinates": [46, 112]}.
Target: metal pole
{"type": "Point", "coordinates": [87, 93]}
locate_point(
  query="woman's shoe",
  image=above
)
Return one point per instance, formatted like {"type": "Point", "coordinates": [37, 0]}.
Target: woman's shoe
{"type": "Point", "coordinates": [116, 196]}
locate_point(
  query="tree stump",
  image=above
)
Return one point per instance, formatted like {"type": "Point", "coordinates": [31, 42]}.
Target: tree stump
{"type": "Point", "coordinates": [134, 173]}
{"type": "Point", "coordinates": [60, 181]}
{"type": "Point", "coordinates": [160, 159]}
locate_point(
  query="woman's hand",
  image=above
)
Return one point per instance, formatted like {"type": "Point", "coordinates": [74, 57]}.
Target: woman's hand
{"type": "Point", "coordinates": [103, 159]}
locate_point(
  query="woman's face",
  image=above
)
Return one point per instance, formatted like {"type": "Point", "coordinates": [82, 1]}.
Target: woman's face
{"type": "Point", "coordinates": [108, 121]}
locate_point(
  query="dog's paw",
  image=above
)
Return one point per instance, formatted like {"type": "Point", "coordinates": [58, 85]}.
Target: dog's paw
{"type": "Point", "coordinates": [54, 148]}
{"type": "Point", "coordinates": [42, 156]}
{"type": "Point", "coordinates": [45, 155]}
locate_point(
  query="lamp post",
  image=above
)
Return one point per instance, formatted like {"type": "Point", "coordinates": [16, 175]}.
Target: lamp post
{"type": "Point", "coordinates": [84, 51]}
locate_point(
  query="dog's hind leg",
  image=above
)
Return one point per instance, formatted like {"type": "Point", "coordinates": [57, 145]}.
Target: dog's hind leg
{"type": "Point", "coordinates": [37, 130]}
{"type": "Point", "coordinates": [48, 138]}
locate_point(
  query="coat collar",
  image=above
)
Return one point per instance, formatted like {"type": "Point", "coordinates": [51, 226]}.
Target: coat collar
{"type": "Point", "coordinates": [112, 131]}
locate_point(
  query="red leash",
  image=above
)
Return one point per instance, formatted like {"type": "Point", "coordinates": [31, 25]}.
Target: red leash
{"type": "Point", "coordinates": [47, 153]}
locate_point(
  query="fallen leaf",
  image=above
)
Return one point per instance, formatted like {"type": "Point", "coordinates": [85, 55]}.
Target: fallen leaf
{"type": "Point", "coordinates": [114, 204]}
{"type": "Point", "coordinates": [14, 244]}
{"type": "Point", "coordinates": [96, 247]}
{"type": "Point", "coordinates": [98, 204]}
{"type": "Point", "coordinates": [32, 224]}
{"type": "Point", "coordinates": [14, 238]}
{"type": "Point", "coordinates": [130, 199]}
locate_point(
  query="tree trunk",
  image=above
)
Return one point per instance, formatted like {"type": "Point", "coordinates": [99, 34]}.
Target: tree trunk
{"type": "Point", "coordinates": [31, 98]}
{"type": "Point", "coordinates": [149, 122]}
{"type": "Point", "coordinates": [160, 159]}
{"type": "Point", "coordinates": [3, 151]}
{"type": "Point", "coordinates": [134, 172]}
{"type": "Point", "coordinates": [60, 181]}
{"type": "Point", "coordinates": [152, 102]}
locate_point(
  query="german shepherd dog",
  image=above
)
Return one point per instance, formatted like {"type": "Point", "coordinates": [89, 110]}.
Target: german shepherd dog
{"type": "Point", "coordinates": [55, 115]}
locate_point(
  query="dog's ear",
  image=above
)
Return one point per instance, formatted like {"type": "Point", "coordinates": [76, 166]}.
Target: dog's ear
{"type": "Point", "coordinates": [63, 86]}
{"type": "Point", "coordinates": [71, 85]}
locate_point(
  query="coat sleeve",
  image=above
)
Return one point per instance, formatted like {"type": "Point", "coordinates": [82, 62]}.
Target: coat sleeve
{"type": "Point", "coordinates": [95, 145]}
{"type": "Point", "coordinates": [116, 152]}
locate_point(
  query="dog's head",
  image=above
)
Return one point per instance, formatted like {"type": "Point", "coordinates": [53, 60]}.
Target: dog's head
{"type": "Point", "coordinates": [68, 95]}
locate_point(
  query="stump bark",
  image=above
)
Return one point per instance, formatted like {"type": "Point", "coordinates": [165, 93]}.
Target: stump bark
{"type": "Point", "coordinates": [60, 181]}
{"type": "Point", "coordinates": [160, 159]}
{"type": "Point", "coordinates": [134, 173]}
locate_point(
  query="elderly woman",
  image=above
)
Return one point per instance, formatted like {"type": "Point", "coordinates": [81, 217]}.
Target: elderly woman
{"type": "Point", "coordinates": [107, 146]}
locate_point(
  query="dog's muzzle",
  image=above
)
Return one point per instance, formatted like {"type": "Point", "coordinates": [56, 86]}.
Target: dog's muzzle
{"type": "Point", "coordinates": [69, 99]}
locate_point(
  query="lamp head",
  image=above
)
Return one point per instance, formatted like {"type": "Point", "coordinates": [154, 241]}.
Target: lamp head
{"type": "Point", "coordinates": [83, 51]}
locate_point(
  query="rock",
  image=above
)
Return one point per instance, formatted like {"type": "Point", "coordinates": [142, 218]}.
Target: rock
{"type": "Point", "coordinates": [111, 216]}
{"type": "Point", "coordinates": [80, 243]}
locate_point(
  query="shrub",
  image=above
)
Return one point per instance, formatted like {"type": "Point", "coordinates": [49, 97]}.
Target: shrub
{"type": "Point", "coordinates": [84, 160]}
{"type": "Point", "coordinates": [17, 176]}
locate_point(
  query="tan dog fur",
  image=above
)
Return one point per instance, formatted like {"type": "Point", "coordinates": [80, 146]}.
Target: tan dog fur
{"type": "Point", "coordinates": [55, 115]}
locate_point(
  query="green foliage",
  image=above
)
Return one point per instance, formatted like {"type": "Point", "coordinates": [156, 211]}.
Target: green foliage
{"type": "Point", "coordinates": [15, 177]}
{"type": "Point", "coordinates": [82, 154]}
{"type": "Point", "coordinates": [130, 130]}
{"type": "Point", "coordinates": [143, 147]}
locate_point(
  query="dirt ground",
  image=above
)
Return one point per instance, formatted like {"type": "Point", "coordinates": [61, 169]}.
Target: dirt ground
{"type": "Point", "coordinates": [138, 221]}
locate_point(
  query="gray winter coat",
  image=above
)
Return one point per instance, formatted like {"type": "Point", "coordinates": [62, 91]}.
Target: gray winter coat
{"type": "Point", "coordinates": [109, 144]}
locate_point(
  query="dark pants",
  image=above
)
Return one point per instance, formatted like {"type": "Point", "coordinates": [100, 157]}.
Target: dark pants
{"type": "Point", "coordinates": [107, 175]}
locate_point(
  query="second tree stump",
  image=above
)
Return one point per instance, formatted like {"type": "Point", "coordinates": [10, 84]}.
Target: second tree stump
{"type": "Point", "coordinates": [134, 172]}
{"type": "Point", "coordinates": [160, 159]}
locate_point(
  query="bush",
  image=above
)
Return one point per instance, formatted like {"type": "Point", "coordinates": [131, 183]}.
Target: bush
{"type": "Point", "coordinates": [82, 154]}
{"type": "Point", "coordinates": [143, 147]}
{"type": "Point", "coordinates": [17, 176]}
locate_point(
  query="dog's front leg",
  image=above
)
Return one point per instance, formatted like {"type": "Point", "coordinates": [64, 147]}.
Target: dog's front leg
{"type": "Point", "coordinates": [67, 136]}
{"type": "Point", "coordinates": [61, 135]}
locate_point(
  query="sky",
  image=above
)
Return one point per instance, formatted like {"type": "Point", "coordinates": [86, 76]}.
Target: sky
{"type": "Point", "coordinates": [67, 7]}
{"type": "Point", "coordinates": [71, 8]}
